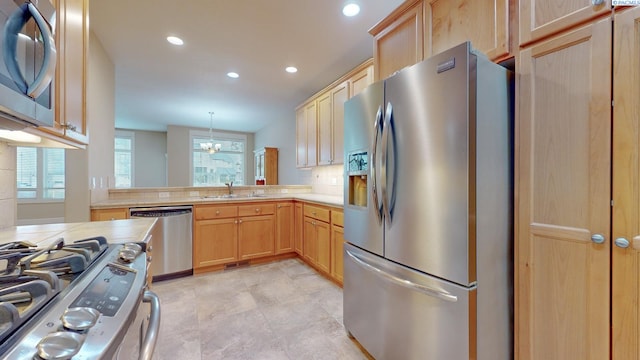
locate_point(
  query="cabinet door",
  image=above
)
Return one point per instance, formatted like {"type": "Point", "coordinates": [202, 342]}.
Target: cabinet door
{"type": "Point", "coordinates": [337, 255]}
{"type": "Point", "coordinates": [284, 228]}
{"type": "Point", "coordinates": [484, 22]}
{"type": "Point", "coordinates": [398, 40]}
{"type": "Point", "coordinates": [323, 244]}
{"type": "Point", "coordinates": [215, 242]}
{"type": "Point", "coordinates": [339, 95]}
{"type": "Point", "coordinates": [256, 236]}
{"type": "Point", "coordinates": [310, 245]}
{"type": "Point", "coordinates": [540, 18]}
{"type": "Point", "coordinates": [312, 130]}
{"type": "Point", "coordinates": [109, 214]}
{"type": "Point", "coordinates": [298, 228]}
{"type": "Point", "coordinates": [73, 35]}
{"type": "Point", "coordinates": [301, 137]}
{"type": "Point", "coordinates": [563, 166]}
{"type": "Point", "coordinates": [324, 128]}
{"type": "Point", "coordinates": [626, 186]}
{"type": "Point", "coordinates": [360, 81]}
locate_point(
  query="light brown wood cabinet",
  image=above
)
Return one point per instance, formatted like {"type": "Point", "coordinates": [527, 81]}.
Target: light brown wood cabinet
{"type": "Point", "coordinates": [331, 125]}
{"type": "Point", "coordinates": [317, 237]}
{"type": "Point", "coordinates": [625, 294]}
{"type": "Point", "coordinates": [418, 29]}
{"type": "Point", "coordinates": [484, 22]}
{"type": "Point", "coordinates": [298, 228]}
{"type": "Point", "coordinates": [109, 214]}
{"type": "Point", "coordinates": [398, 40]}
{"type": "Point", "coordinates": [324, 112]}
{"type": "Point", "coordinates": [563, 183]}
{"type": "Point", "coordinates": [229, 233]}
{"type": "Point", "coordinates": [337, 245]}
{"type": "Point", "coordinates": [285, 237]}
{"type": "Point", "coordinates": [266, 161]}
{"type": "Point", "coordinates": [72, 38]}
{"type": "Point", "coordinates": [306, 135]}
{"type": "Point", "coordinates": [541, 18]}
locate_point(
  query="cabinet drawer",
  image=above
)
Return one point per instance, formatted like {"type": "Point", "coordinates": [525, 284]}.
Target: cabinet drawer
{"type": "Point", "coordinates": [256, 209]}
{"type": "Point", "coordinates": [317, 213]}
{"type": "Point", "coordinates": [337, 217]}
{"type": "Point", "coordinates": [215, 212]}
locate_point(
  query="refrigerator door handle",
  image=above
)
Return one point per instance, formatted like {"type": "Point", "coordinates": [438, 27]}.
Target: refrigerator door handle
{"type": "Point", "coordinates": [440, 294]}
{"type": "Point", "coordinates": [386, 128]}
{"type": "Point", "coordinates": [377, 127]}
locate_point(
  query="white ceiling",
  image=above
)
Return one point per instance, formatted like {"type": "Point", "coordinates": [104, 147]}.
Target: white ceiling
{"type": "Point", "coordinates": [158, 84]}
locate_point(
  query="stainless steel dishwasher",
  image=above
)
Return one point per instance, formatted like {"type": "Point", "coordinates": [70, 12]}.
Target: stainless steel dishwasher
{"type": "Point", "coordinates": [171, 240]}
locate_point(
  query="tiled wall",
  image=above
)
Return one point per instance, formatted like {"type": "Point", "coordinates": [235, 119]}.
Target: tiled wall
{"type": "Point", "coordinates": [327, 180]}
{"type": "Point", "coordinates": [7, 185]}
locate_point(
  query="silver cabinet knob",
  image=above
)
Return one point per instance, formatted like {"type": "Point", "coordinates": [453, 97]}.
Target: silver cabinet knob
{"type": "Point", "coordinates": [622, 242]}
{"type": "Point", "coordinates": [597, 2]}
{"type": "Point", "coordinates": [598, 238]}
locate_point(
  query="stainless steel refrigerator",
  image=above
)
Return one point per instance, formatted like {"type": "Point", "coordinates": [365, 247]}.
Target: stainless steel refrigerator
{"type": "Point", "coordinates": [428, 211]}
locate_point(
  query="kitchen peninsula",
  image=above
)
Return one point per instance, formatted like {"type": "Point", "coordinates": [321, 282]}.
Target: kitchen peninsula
{"type": "Point", "coordinates": [247, 224]}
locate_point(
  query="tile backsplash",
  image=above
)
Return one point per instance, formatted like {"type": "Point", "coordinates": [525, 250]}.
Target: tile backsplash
{"type": "Point", "coordinates": [8, 194]}
{"type": "Point", "coordinates": [327, 180]}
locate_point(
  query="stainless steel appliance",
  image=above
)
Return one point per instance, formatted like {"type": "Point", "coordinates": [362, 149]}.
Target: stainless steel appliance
{"type": "Point", "coordinates": [75, 300]}
{"type": "Point", "coordinates": [28, 63]}
{"type": "Point", "coordinates": [428, 208]}
{"type": "Point", "coordinates": [172, 240]}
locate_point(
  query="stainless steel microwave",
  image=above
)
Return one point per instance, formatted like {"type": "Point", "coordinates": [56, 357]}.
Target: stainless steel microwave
{"type": "Point", "coordinates": [27, 64]}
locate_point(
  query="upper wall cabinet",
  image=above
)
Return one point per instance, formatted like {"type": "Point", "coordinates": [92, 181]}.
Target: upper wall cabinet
{"type": "Point", "coordinates": [72, 36]}
{"type": "Point", "coordinates": [320, 120]}
{"type": "Point", "coordinates": [418, 29]}
{"type": "Point", "coordinates": [541, 18]}
{"type": "Point", "coordinates": [484, 22]}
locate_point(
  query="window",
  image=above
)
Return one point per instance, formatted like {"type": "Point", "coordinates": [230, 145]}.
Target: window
{"type": "Point", "coordinates": [40, 173]}
{"type": "Point", "coordinates": [224, 166]}
{"type": "Point", "coordinates": [123, 159]}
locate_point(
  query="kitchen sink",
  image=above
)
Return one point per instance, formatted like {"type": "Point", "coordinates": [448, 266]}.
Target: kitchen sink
{"type": "Point", "coordinates": [234, 196]}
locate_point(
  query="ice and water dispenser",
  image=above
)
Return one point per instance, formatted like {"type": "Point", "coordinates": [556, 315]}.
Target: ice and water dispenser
{"type": "Point", "coordinates": [357, 172]}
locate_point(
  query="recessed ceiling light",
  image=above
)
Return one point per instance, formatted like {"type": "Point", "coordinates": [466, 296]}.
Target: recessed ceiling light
{"type": "Point", "coordinates": [233, 75]}
{"type": "Point", "coordinates": [175, 40]}
{"type": "Point", "coordinates": [351, 9]}
{"type": "Point", "coordinates": [291, 69]}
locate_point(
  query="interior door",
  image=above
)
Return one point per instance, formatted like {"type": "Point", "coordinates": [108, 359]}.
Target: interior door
{"type": "Point", "coordinates": [563, 167]}
{"type": "Point", "coordinates": [626, 186]}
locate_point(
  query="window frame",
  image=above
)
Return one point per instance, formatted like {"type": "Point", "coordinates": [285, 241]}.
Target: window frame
{"type": "Point", "coordinates": [131, 135]}
{"type": "Point", "coordinates": [40, 178]}
{"type": "Point", "coordinates": [200, 134]}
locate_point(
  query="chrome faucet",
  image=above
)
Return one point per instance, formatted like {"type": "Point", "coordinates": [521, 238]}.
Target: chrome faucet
{"type": "Point", "coordinates": [229, 186]}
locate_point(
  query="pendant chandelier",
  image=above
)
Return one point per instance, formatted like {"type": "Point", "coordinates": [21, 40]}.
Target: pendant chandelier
{"type": "Point", "coordinates": [209, 146]}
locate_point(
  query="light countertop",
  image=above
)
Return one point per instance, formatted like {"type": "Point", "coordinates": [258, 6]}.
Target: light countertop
{"type": "Point", "coordinates": [116, 231]}
{"type": "Point", "coordinates": [331, 200]}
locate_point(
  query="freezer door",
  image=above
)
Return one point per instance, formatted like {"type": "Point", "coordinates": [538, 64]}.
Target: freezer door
{"type": "Point", "coordinates": [363, 224]}
{"type": "Point", "coordinates": [429, 185]}
{"type": "Point", "coordinates": [397, 313]}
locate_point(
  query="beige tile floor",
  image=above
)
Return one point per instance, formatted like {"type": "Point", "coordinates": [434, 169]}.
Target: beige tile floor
{"type": "Point", "coordinates": [279, 310]}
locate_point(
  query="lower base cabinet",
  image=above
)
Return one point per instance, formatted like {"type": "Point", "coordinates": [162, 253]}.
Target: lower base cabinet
{"type": "Point", "coordinates": [256, 236]}
{"type": "Point", "coordinates": [298, 224]}
{"type": "Point", "coordinates": [337, 245]}
{"type": "Point", "coordinates": [216, 242]}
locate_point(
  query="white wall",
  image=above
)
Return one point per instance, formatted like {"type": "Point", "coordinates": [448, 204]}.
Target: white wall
{"type": "Point", "coordinates": [96, 162]}
{"type": "Point", "coordinates": [150, 159]}
{"type": "Point", "coordinates": [282, 135]}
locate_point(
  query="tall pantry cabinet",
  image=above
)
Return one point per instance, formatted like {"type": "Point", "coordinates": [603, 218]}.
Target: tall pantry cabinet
{"type": "Point", "coordinates": [626, 186]}
{"type": "Point", "coordinates": [577, 182]}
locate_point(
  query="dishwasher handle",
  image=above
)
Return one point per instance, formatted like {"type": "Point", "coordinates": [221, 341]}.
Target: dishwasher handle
{"type": "Point", "coordinates": [161, 211]}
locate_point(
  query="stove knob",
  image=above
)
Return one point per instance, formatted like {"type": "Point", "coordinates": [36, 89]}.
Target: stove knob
{"type": "Point", "coordinates": [61, 345]}
{"type": "Point", "coordinates": [79, 318]}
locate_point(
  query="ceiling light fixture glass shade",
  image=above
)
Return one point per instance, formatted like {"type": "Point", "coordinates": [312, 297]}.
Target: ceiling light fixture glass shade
{"type": "Point", "coordinates": [351, 10]}
{"type": "Point", "coordinates": [209, 146]}
{"type": "Point", "coordinates": [175, 40]}
{"type": "Point", "coordinates": [291, 69]}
